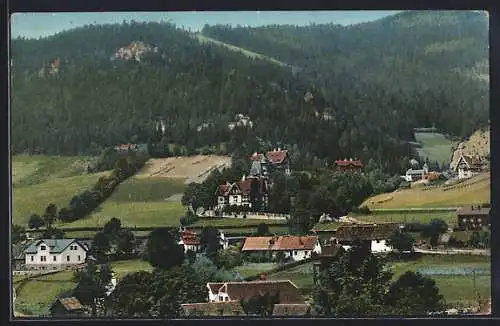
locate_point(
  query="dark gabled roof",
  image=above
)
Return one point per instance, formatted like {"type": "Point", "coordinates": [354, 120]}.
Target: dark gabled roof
{"type": "Point", "coordinates": [56, 245]}
{"type": "Point", "coordinates": [226, 308]}
{"type": "Point", "coordinates": [381, 231]}
{"type": "Point", "coordinates": [291, 309]}
{"type": "Point", "coordinates": [214, 287]}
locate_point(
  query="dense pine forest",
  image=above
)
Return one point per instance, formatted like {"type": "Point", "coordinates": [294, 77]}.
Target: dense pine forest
{"type": "Point", "coordinates": [359, 93]}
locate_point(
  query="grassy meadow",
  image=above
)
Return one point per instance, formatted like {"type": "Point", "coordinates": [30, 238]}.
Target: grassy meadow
{"type": "Point", "coordinates": [250, 269]}
{"type": "Point", "coordinates": [124, 267]}
{"type": "Point", "coordinates": [40, 180]}
{"type": "Point", "coordinates": [435, 146]}
{"type": "Point", "coordinates": [450, 217]}
{"type": "Point", "coordinates": [35, 296]}
{"type": "Point", "coordinates": [473, 191]}
{"type": "Point", "coordinates": [139, 202]}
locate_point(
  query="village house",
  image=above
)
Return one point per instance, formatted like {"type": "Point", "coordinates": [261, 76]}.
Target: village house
{"type": "Point", "coordinates": [277, 158]}
{"type": "Point", "coordinates": [413, 175]}
{"type": "Point", "coordinates": [189, 240]}
{"type": "Point", "coordinates": [373, 236]}
{"type": "Point", "coordinates": [55, 254]}
{"type": "Point", "coordinates": [468, 166]}
{"type": "Point", "coordinates": [348, 165]}
{"type": "Point", "coordinates": [231, 291]}
{"type": "Point", "coordinates": [473, 217]}
{"type": "Point", "coordinates": [239, 193]}
{"type": "Point", "coordinates": [294, 247]}
{"type": "Point", "coordinates": [67, 308]}
{"type": "Point", "coordinates": [223, 308]}
{"type": "Point", "coordinates": [126, 148]}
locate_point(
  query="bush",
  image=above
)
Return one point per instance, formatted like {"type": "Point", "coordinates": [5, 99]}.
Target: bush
{"type": "Point", "coordinates": [361, 210]}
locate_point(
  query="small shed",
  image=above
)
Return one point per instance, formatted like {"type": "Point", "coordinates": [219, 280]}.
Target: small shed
{"type": "Point", "coordinates": [67, 307]}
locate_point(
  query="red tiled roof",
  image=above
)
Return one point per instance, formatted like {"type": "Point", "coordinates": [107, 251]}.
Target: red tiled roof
{"type": "Point", "coordinates": [381, 231]}
{"type": "Point", "coordinates": [277, 157]}
{"type": "Point", "coordinates": [280, 243]}
{"type": "Point", "coordinates": [288, 292]}
{"type": "Point", "coordinates": [224, 189]}
{"type": "Point", "coordinates": [70, 304]}
{"type": "Point", "coordinates": [344, 163]}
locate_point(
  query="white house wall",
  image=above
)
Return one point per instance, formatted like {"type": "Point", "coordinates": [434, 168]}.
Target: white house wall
{"type": "Point", "coordinates": [61, 259]}
{"type": "Point", "coordinates": [380, 246]}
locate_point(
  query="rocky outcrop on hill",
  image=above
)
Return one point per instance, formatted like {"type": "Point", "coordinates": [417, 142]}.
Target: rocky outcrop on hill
{"type": "Point", "coordinates": [477, 145]}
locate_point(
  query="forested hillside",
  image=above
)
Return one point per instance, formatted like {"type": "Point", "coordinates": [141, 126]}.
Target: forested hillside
{"type": "Point", "coordinates": [362, 91]}
{"type": "Point", "coordinates": [425, 68]}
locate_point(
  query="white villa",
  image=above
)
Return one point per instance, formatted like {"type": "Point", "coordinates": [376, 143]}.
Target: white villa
{"type": "Point", "coordinates": [295, 247]}
{"type": "Point", "coordinates": [468, 166]}
{"type": "Point", "coordinates": [55, 254]}
{"type": "Point", "coordinates": [189, 240]}
{"type": "Point", "coordinates": [413, 175]}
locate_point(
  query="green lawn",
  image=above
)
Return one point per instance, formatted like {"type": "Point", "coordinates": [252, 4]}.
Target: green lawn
{"type": "Point", "coordinates": [36, 295]}
{"type": "Point", "coordinates": [140, 214]}
{"type": "Point", "coordinates": [250, 269]}
{"type": "Point", "coordinates": [124, 267]}
{"type": "Point", "coordinates": [408, 217]}
{"type": "Point", "coordinates": [34, 169]}
{"type": "Point", "coordinates": [301, 275]}
{"type": "Point", "coordinates": [221, 222]}
{"type": "Point", "coordinates": [147, 189]}
{"type": "Point", "coordinates": [33, 199]}
{"type": "Point", "coordinates": [435, 146]}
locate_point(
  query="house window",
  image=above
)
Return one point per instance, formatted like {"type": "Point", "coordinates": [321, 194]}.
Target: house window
{"type": "Point", "coordinates": [295, 253]}
{"type": "Point", "coordinates": [221, 298]}
{"type": "Point", "coordinates": [54, 258]}
{"type": "Point", "coordinates": [67, 258]}
{"type": "Point", "coordinates": [235, 198]}
{"type": "Point", "coordinates": [43, 258]}
{"type": "Point", "coordinates": [32, 258]}
{"type": "Point", "coordinates": [43, 248]}
{"type": "Point", "coordinates": [78, 257]}
{"type": "Point", "coordinates": [306, 253]}
{"type": "Point", "coordinates": [227, 299]}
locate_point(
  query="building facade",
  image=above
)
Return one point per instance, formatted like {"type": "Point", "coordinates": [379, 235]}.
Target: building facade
{"type": "Point", "coordinates": [473, 217]}
{"type": "Point", "coordinates": [54, 254]}
{"type": "Point", "coordinates": [468, 166]}
{"type": "Point", "coordinates": [295, 248]}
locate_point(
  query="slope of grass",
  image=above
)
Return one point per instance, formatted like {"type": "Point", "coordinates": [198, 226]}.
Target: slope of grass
{"type": "Point", "coordinates": [124, 267]}
{"type": "Point", "coordinates": [250, 269]}
{"type": "Point", "coordinates": [147, 189]}
{"type": "Point", "coordinates": [37, 295]}
{"type": "Point", "coordinates": [473, 191]}
{"type": "Point", "coordinates": [221, 222]}
{"type": "Point", "coordinates": [435, 146]}
{"type": "Point", "coordinates": [28, 200]}
{"type": "Point", "coordinates": [301, 275]}
{"type": "Point", "coordinates": [35, 169]}
{"type": "Point", "coordinates": [450, 217]}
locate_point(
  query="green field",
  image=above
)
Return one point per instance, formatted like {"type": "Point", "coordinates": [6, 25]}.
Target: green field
{"type": "Point", "coordinates": [473, 191]}
{"type": "Point", "coordinates": [124, 267]}
{"type": "Point", "coordinates": [250, 269]}
{"type": "Point", "coordinates": [139, 202]}
{"type": "Point", "coordinates": [408, 217]}
{"type": "Point", "coordinates": [33, 169]}
{"type": "Point", "coordinates": [458, 290]}
{"type": "Point", "coordinates": [38, 180]}
{"type": "Point", "coordinates": [435, 146]}
{"type": "Point", "coordinates": [34, 199]}
{"type": "Point", "coordinates": [221, 222]}
{"type": "Point", "coordinates": [37, 294]}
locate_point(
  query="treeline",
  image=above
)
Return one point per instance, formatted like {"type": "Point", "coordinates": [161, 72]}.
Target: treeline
{"type": "Point", "coordinates": [412, 69]}
{"type": "Point", "coordinates": [84, 203]}
{"type": "Point", "coordinates": [198, 89]}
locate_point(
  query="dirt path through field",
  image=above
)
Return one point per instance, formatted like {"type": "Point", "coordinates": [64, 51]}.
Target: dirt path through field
{"type": "Point", "coordinates": [192, 168]}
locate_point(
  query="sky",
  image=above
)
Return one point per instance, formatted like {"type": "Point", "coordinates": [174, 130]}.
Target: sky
{"type": "Point", "coordinates": [35, 25]}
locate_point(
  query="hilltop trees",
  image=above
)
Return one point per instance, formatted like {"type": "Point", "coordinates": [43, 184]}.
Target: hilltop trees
{"type": "Point", "coordinates": [35, 222]}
